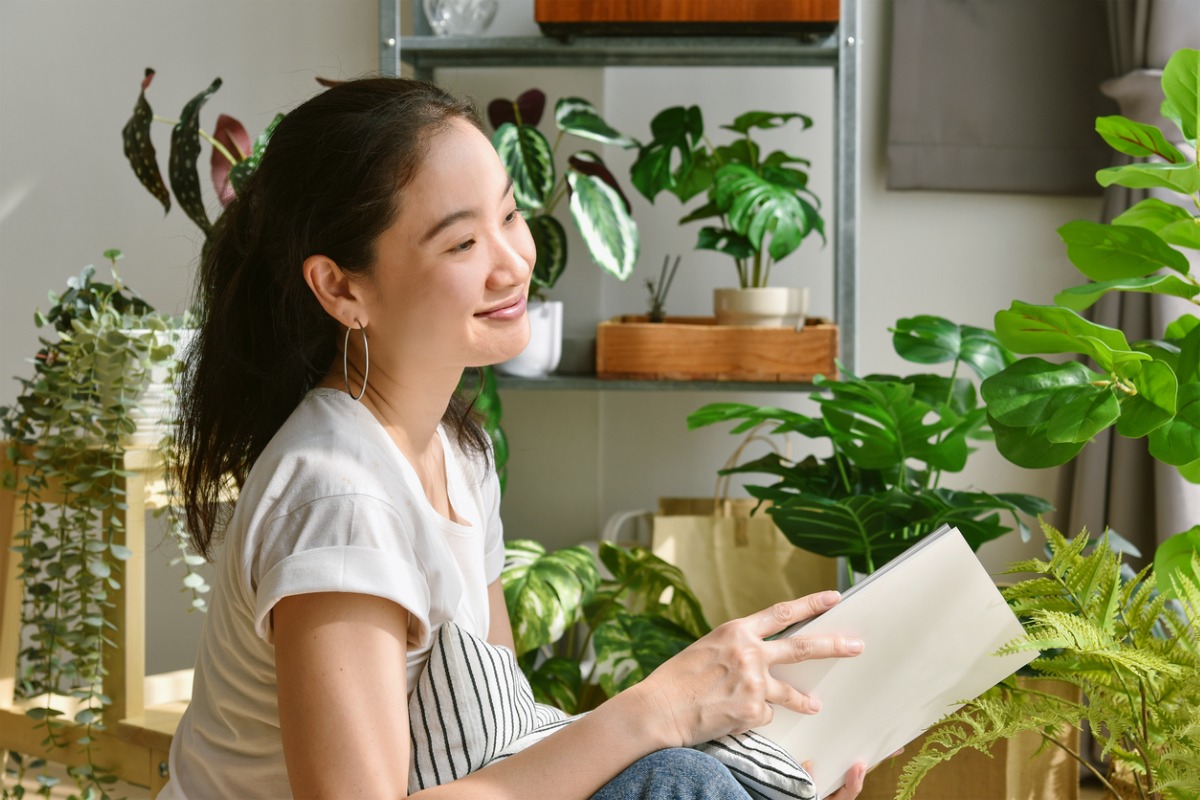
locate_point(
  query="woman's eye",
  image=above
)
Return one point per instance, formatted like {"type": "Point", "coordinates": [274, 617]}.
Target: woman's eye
{"type": "Point", "coordinates": [463, 247]}
{"type": "Point", "coordinates": [513, 215]}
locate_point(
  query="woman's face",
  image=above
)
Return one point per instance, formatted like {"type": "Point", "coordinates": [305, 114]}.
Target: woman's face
{"type": "Point", "coordinates": [452, 273]}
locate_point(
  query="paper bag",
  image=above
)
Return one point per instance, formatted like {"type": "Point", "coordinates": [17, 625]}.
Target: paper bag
{"type": "Point", "coordinates": [734, 562]}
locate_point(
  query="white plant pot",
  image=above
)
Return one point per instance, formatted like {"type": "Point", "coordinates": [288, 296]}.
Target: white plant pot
{"type": "Point", "coordinates": [154, 406]}
{"type": "Point", "coordinates": [770, 307]}
{"type": "Point", "coordinates": [541, 356]}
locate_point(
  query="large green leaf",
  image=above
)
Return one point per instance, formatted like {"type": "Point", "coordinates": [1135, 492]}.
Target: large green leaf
{"type": "Point", "coordinates": [610, 234]}
{"type": "Point", "coordinates": [1176, 558]}
{"type": "Point", "coordinates": [677, 139]}
{"type": "Point", "coordinates": [1033, 390]}
{"type": "Point", "coordinates": [723, 240]}
{"type": "Point", "coordinates": [785, 419]}
{"type": "Point", "coordinates": [1115, 252]}
{"type": "Point", "coordinates": [530, 162]}
{"type": "Point", "coordinates": [867, 529]}
{"type": "Point", "coordinates": [644, 578]}
{"type": "Point", "coordinates": [1152, 214]}
{"type": "Point", "coordinates": [758, 208]}
{"type": "Point", "coordinates": [550, 241]}
{"type": "Point", "coordinates": [557, 681]}
{"type": "Point", "coordinates": [181, 164]}
{"type": "Point", "coordinates": [1077, 298]}
{"type": "Point", "coordinates": [1153, 405]}
{"type": "Point", "coordinates": [1178, 441]}
{"type": "Point", "coordinates": [631, 646]}
{"type": "Point", "coordinates": [1137, 139]}
{"type": "Point", "coordinates": [1030, 448]}
{"type": "Point", "coordinates": [578, 116]}
{"type": "Point", "coordinates": [1089, 411]}
{"type": "Point", "coordinates": [1178, 178]}
{"type": "Point", "coordinates": [1184, 233]}
{"type": "Point", "coordinates": [546, 592]}
{"type": "Point", "coordinates": [1026, 328]}
{"type": "Point", "coordinates": [139, 148]}
{"type": "Point", "coordinates": [1181, 86]}
{"type": "Point", "coordinates": [928, 339]}
{"type": "Point", "coordinates": [765, 120]}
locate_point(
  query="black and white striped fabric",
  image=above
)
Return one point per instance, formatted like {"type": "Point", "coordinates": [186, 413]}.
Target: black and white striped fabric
{"type": "Point", "coordinates": [472, 706]}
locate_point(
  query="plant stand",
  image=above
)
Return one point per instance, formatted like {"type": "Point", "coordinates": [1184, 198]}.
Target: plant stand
{"type": "Point", "coordinates": [137, 738]}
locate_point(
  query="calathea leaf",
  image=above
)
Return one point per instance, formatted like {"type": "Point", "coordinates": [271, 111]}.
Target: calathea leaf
{"type": "Point", "coordinates": [530, 162]}
{"type": "Point", "coordinates": [139, 149]}
{"type": "Point", "coordinates": [545, 592]}
{"type": "Point", "coordinates": [242, 170]}
{"type": "Point", "coordinates": [757, 208]}
{"type": "Point", "coordinates": [578, 116]}
{"type": "Point", "coordinates": [631, 646]}
{"type": "Point", "coordinates": [610, 234]}
{"type": "Point", "coordinates": [588, 163]}
{"type": "Point", "coordinates": [233, 137]}
{"type": "Point", "coordinates": [1116, 252]}
{"type": "Point", "coordinates": [185, 149]}
{"type": "Point", "coordinates": [550, 239]}
{"type": "Point", "coordinates": [525, 110]}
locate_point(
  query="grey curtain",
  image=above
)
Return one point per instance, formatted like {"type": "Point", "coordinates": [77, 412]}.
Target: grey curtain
{"type": "Point", "coordinates": [998, 95]}
{"type": "Point", "coordinates": [1114, 482]}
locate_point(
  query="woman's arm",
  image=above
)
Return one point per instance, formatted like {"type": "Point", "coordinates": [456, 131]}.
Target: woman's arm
{"type": "Point", "coordinates": [343, 703]}
{"type": "Point", "coordinates": [500, 629]}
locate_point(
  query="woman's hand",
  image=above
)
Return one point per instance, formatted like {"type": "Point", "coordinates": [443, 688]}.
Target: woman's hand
{"type": "Point", "coordinates": [722, 684]}
{"type": "Point", "coordinates": [853, 785]}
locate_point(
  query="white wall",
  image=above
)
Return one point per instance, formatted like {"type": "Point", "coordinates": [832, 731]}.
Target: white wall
{"type": "Point", "coordinates": [69, 71]}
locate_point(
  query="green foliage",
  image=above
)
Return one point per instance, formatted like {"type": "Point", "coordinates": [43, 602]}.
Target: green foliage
{"type": "Point", "coordinates": [1043, 412]}
{"type": "Point", "coordinates": [598, 208]}
{"type": "Point", "coordinates": [892, 438]}
{"type": "Point", "coordinates": [762, 205]}
{"type": "Point", "coordinates": [1134, 654]}
{"type": "Point", "coordinates": [582, 637]}
{"type": "Point", "coordinates": [69, 431]}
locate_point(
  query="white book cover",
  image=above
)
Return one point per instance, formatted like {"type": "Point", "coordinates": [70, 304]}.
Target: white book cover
{"type": "Point", "coordinates": [931, 620]}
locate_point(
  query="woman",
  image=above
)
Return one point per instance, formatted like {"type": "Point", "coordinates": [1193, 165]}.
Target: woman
{"type": "Point", "coordinates": [375, 254]}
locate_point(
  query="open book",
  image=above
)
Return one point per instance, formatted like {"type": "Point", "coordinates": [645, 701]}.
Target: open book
{"type": "Point", "coordinates": [932, 620]}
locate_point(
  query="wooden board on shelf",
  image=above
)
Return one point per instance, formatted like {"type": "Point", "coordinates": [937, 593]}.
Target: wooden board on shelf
{"type": "Point", "coordinates": [696, 348]}
{"type": "Point", "coordinates": [723, 17]}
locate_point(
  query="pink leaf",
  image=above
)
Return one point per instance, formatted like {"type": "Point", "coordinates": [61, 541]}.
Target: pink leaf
{"type": "Point", "coordinates": [233, 136]}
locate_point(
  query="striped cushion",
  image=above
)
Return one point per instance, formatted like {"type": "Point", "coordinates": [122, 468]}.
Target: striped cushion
{"type": "Point", "coordinates": [472, 706]}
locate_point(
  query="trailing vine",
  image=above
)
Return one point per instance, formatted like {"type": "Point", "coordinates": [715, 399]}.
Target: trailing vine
{"type": "Point", "coordinates": [70, 428]}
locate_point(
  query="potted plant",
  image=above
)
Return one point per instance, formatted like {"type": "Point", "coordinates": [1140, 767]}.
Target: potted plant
{"type": "Point", "coordinates": [892, 439]}
{"type": "Point", "coordinates": [581, 636]}
{"type": "Point", "coordinates": [1044, 412]}
{"type": "Point", "coordinates": [70, 428]}
{"type": "Point", "coordinates": [761, 204]}
{"type": "Point", "coordinates": [597, 205]}
{"type": "Point", "coordinates": [1133, 653]}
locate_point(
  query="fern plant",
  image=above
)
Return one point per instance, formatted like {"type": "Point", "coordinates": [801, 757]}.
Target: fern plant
{"type": "Point", "coordinates": [581, 636]}
{"type": "Point", "coordinates": [1133, 653]}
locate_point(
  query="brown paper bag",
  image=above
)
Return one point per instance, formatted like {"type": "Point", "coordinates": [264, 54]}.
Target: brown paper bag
{"type": "Point", "coordinates": [735, 563]}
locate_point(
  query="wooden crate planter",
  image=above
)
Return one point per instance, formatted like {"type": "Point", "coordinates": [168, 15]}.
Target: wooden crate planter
{"type": "Point", "coordinates": [697, 349]}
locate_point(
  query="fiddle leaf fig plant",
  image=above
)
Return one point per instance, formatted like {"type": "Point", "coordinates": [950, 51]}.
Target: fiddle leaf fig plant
{"type": "Point", "coordinates": [892, 439]}
{"type": "Point", "coordinates": [761, 205]}
{"type": "Point", "coordinates": [582, 636]}
{"type": "Point", "coordinates": [1044, 412]}
{"type": "Point", "coordinates": [597, 205]}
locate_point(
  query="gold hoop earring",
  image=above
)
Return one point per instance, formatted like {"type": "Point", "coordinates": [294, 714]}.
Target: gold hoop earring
{"type": "Point", "coordinates": [346, 361]}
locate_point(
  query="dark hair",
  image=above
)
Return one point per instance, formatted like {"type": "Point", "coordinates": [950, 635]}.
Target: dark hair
{"type": "Point", "coordinates": [330, 182]}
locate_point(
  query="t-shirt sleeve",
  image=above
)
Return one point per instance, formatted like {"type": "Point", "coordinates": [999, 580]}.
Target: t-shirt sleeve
{"type": "Point", "coordinates": [348, 543]}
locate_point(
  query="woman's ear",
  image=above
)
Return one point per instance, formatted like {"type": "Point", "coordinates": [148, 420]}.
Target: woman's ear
{"type": "Point", "coordinates": [341, 297]}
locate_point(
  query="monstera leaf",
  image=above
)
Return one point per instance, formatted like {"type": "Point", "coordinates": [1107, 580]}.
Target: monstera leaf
{"type": "Point", "coordinates": [757, 208]}
{"type": "Point", "coordinates": [546, 592]}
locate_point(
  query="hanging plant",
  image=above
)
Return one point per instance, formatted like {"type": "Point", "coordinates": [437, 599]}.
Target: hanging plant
{"type": "Point", "coordinates": [69, 431]}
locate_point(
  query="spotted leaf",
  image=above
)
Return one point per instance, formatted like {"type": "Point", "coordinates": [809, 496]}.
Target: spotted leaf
{"type": "Point", "coordinates": [185, 150]}
{"type": "Point", "coordinates": [140, 150]}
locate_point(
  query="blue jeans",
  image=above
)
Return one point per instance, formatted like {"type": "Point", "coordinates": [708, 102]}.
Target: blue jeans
{"type": "Point", "coordinates": [676, 774]}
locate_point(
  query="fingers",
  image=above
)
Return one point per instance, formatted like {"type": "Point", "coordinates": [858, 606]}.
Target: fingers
{"type": "Point", "coordinates": [853, 784]}
{"type": "Point", "coordinates": [782, 694]}
{"type": "Point", "coordinates": [794, 649]}
{"type": "Point", "coordinates": [772, 620]}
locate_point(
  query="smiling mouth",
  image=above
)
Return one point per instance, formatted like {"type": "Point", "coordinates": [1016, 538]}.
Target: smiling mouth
{"type": "Point", "coordinates": [509, 310]}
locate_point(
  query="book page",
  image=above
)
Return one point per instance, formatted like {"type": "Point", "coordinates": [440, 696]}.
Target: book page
{"type": "Point", "coordinates": [931, 621]}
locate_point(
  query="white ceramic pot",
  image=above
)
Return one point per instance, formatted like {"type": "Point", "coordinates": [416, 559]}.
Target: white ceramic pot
{"type": "Point", "coordinates": [154, 406]}
{"type": "Point", "coordinates": [770, 307]}
{"type": "Point", "coordinates": [541, 356]}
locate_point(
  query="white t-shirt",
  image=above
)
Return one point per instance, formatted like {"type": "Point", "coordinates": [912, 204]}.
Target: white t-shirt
{"type": "Point", "coordinates": [331, 505]}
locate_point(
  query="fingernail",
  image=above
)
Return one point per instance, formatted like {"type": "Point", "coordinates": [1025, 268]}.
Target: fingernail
{"type": "Point", "coordinates": [830, 598]}
{"type": "Point", "coordinates": [814, 704]}
{"type": "Point", "coordinates": [854, 646]}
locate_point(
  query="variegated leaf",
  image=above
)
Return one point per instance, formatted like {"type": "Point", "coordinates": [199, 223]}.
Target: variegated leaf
{"type": "Point", "coordinates": [610, 234]}
{"type": "Point", "coordinates": [185, 149]}
{"type": "Point", "coordinates": [243, 169]}
{"type": "Point", "coordinates": [578, 116]}
{"type": "Point", "coordinates": [530, 162]}
{"type": "Point", "coordinates": [139, 149]}
{"type": "Point", "coordinates": [550, 240]}
{"type": "Point", "coordinates": [545, 592]}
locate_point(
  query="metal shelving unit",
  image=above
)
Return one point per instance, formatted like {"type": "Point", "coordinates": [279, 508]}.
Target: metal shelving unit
{"type": "Point", "coordinates": [838, 50]}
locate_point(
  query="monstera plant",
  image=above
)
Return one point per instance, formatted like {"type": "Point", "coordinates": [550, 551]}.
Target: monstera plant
{"type": "Point", "coordinates": [597, 205]}
{"type": "Point", "coordinates": [1044, 412]}
{"type": "Point", "coordinates": [582, 637]}
{"type": "Point", "coordinates": [892, 439]}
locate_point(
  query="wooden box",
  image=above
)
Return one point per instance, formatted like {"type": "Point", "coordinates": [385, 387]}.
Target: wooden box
{"type": "Point", "coordinates": [697, 349]}
{"type": "Point", "coordinates": [659, 17]}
